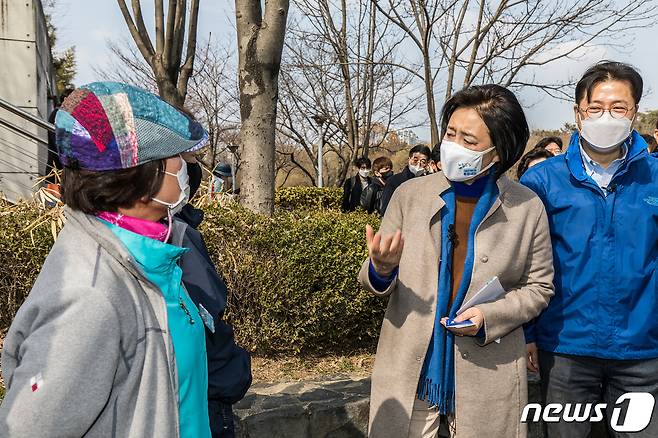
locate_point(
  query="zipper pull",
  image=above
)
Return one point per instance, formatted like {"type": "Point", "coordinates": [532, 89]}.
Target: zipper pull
{"type": "Point", "coordinates": [185, 309]}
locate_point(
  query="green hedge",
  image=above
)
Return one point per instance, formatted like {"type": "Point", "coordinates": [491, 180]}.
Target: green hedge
{"type": "Point", "coordinates": [22, 253]}
{"type": "Point", "coordinates": [291, 198]}
{"type": "Point", "coordinates": [292, 277]}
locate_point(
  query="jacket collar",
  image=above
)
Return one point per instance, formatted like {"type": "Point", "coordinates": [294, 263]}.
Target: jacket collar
{"type": "Point", "coordinates": [637, 148]}
{"type": "Point", "coordinates": [190, 215]}
{"type": "Point", "coordinates": [437, 184]}
{"type": "Point", "coordinates": [104, 236]}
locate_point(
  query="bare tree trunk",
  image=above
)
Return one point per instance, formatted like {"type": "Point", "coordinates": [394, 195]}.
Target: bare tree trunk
{"type": "Point", "coordinates": [260, 44]}
{"type": "Point", "coordinates": [369, 78]}
{"type": "Point", "coordinates": [431, 104]}
{"type": "Point", "coordinates": [342, 53]}
{"type": "Point", "coordinates": [418, 19]}
{"type": "Point", "coordinates": [172, 72]}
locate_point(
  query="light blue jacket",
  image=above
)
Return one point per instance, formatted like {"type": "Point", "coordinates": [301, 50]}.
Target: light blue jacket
{"type": "Point", "coordinates": [159, 263]}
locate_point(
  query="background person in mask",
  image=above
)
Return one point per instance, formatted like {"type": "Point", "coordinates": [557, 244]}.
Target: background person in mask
{"type": "Point", "coordinates": [652, 144]}
{"type": "Point", "coordinates": [108, 342]}
{"type": "Point", "coordinates": [444, 237]}
{"type": "Point", "coordinates": [598, 338]}
{"type": "Point", "coordinates": [419, 156]}
{"type": "Point", "coordinates": [550, 144]}
{"type": "Point", "coordinates": [354, 186]}
{"type": "Point", "coordinates": [532, 158]}
{"type": "Point", "coordinates": [371, 196]}
{"type": "Point", "coordinates": [222, 180]}
{"type": "Point", "coordinates": [434, 164]}
{"type": "Point", "coordinates": [229, 366]}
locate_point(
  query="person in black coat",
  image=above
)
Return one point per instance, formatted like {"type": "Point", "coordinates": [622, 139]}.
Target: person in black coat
{"type": "Point", "coordinates": [419, 156]}
{"type": "Point", "coordinates": [52, 160]}
{"type": "Point", "coordinates": [354, 186]}
{"type": "Point", "coordinates": [229, 366]}
{"type": "Point", "coordinates": [382, 168]}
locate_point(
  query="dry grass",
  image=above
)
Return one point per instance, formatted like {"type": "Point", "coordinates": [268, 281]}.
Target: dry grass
{"type": "Point", "coordinates": [291, 369]}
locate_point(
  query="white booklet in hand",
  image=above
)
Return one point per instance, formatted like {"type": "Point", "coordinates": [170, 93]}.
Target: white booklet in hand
{"type": "Point", "coordinates": [490, 292]}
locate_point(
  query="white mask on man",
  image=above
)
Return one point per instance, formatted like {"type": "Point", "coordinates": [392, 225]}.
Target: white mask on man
{"type": "Point", "coordinates": [417, 170]}
{"type": "Point", "coordinates": [606, 132]}
{"type": "Point", "coordinates": [364, 173]}
{"type": "Point", "coordinates": [461, 164]}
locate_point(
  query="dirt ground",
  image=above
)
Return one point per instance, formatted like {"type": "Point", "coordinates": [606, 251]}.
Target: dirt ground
{"type": "Point", "coordinates": [286, 369]}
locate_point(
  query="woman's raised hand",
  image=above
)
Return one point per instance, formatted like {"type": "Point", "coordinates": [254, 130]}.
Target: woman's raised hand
{"type": "Point", "coordinates": [385, 252]}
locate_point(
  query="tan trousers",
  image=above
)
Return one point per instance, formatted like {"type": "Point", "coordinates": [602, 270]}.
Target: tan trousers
{"type": "Point", "coordinates": [426, 422]}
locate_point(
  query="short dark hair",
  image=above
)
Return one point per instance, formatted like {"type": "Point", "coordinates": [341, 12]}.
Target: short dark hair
{"type": "Point", "coordinates": [609, 71]}
{"type": "Point", "coordinates": [501, 112]}
{"type": "Point", "coordinates": [361, 161]}
{"type": "Point", "coordinates": [380, 163]}
{"type": "Point", "coordinates": [651, 142]}
{"type": "Point", "coordinates": [92, 192]}
{"type": "Point", "coordinates": [541, 144]}
{"type": "Point", "coordinates": [420, 149]}
{"type": "Point", "coordinates": [529, 157]}
{"type": "Point", "coordinates": [436, 153]}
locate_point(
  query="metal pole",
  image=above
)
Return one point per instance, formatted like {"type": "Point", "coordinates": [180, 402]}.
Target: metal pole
{"type": "Point", "coordinates": [320, 179]}
{"type": "Point", "coordinates": [27, 116]}
{"type": "Point", "coordinates": [235, 163]}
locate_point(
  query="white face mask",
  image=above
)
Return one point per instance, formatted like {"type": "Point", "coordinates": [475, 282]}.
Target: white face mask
{"type": "Point", "coordinates": [184, 185]}
{"type": "Point", "coordinates": [364, 173]}
{"type": "Point", "coordinates": [461, 164]}
{"type": "Point", "coordinates": [606, 132]}
{"type": "Point", "coordinates": [416, 170]}
{"type": "Point", "coordinates": [176, 207]}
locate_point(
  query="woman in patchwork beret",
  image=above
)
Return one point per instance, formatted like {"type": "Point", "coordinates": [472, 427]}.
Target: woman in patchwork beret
{"type": "Point", "coordinates": [108, 343]}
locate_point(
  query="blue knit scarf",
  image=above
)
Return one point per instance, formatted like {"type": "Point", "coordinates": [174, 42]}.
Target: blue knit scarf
{"type": "Point", "coordinates": [437, 379]}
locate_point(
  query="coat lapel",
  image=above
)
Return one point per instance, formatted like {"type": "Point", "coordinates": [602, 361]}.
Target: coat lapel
{"type": "Point", "coordinates": [503, 184]}
{"type": "Point", "coordinates": [437, 186]}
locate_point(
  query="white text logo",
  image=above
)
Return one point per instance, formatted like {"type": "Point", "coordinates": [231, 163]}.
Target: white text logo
{"type": "Point", "coordinates": [639, 407]}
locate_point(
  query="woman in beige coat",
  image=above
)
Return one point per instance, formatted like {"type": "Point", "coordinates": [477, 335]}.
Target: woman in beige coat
{"type": "Point", "coordinates": [443, 237]}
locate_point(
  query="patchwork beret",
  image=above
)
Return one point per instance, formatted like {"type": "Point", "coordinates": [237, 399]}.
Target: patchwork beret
{"type": "Point", "coordinates": [110, 126]}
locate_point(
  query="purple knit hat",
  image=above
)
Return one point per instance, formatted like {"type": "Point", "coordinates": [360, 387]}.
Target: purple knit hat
{"type": "Point", "coordinates": [110, 126]}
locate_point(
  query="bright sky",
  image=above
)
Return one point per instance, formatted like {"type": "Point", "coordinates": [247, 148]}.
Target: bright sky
{"type": "Point", "coordinates": [90, 24]}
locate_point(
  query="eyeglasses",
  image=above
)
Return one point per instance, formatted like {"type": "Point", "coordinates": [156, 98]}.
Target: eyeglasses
{"type": "Point", "coordinates": [421, 161]}
{"type": "Point", "coordinates": [596, 111]}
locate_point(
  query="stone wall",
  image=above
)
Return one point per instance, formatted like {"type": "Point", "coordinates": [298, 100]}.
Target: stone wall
{"type": "Point", "coordinates": [333, 408]}
{"type": "Point", "coordinates": [336, 408]}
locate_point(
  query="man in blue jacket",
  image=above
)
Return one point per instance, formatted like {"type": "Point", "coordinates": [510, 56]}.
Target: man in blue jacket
{"type": "Point", "coordinates": [598, 338]}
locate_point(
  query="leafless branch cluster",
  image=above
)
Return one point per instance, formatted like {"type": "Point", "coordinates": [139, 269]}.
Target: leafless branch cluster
{"type": "Point", "coordinates": [339, 85]}
{"type": "Point", "coordinates": [353, 73]}
{"type": "Point", "coordinates": [466, 42]}
{"type": "Point", "coordinates": [172, 57]}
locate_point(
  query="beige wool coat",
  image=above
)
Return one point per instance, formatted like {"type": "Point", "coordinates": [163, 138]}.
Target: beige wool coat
{"type": "Point", "coordinates": [513, 243]}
